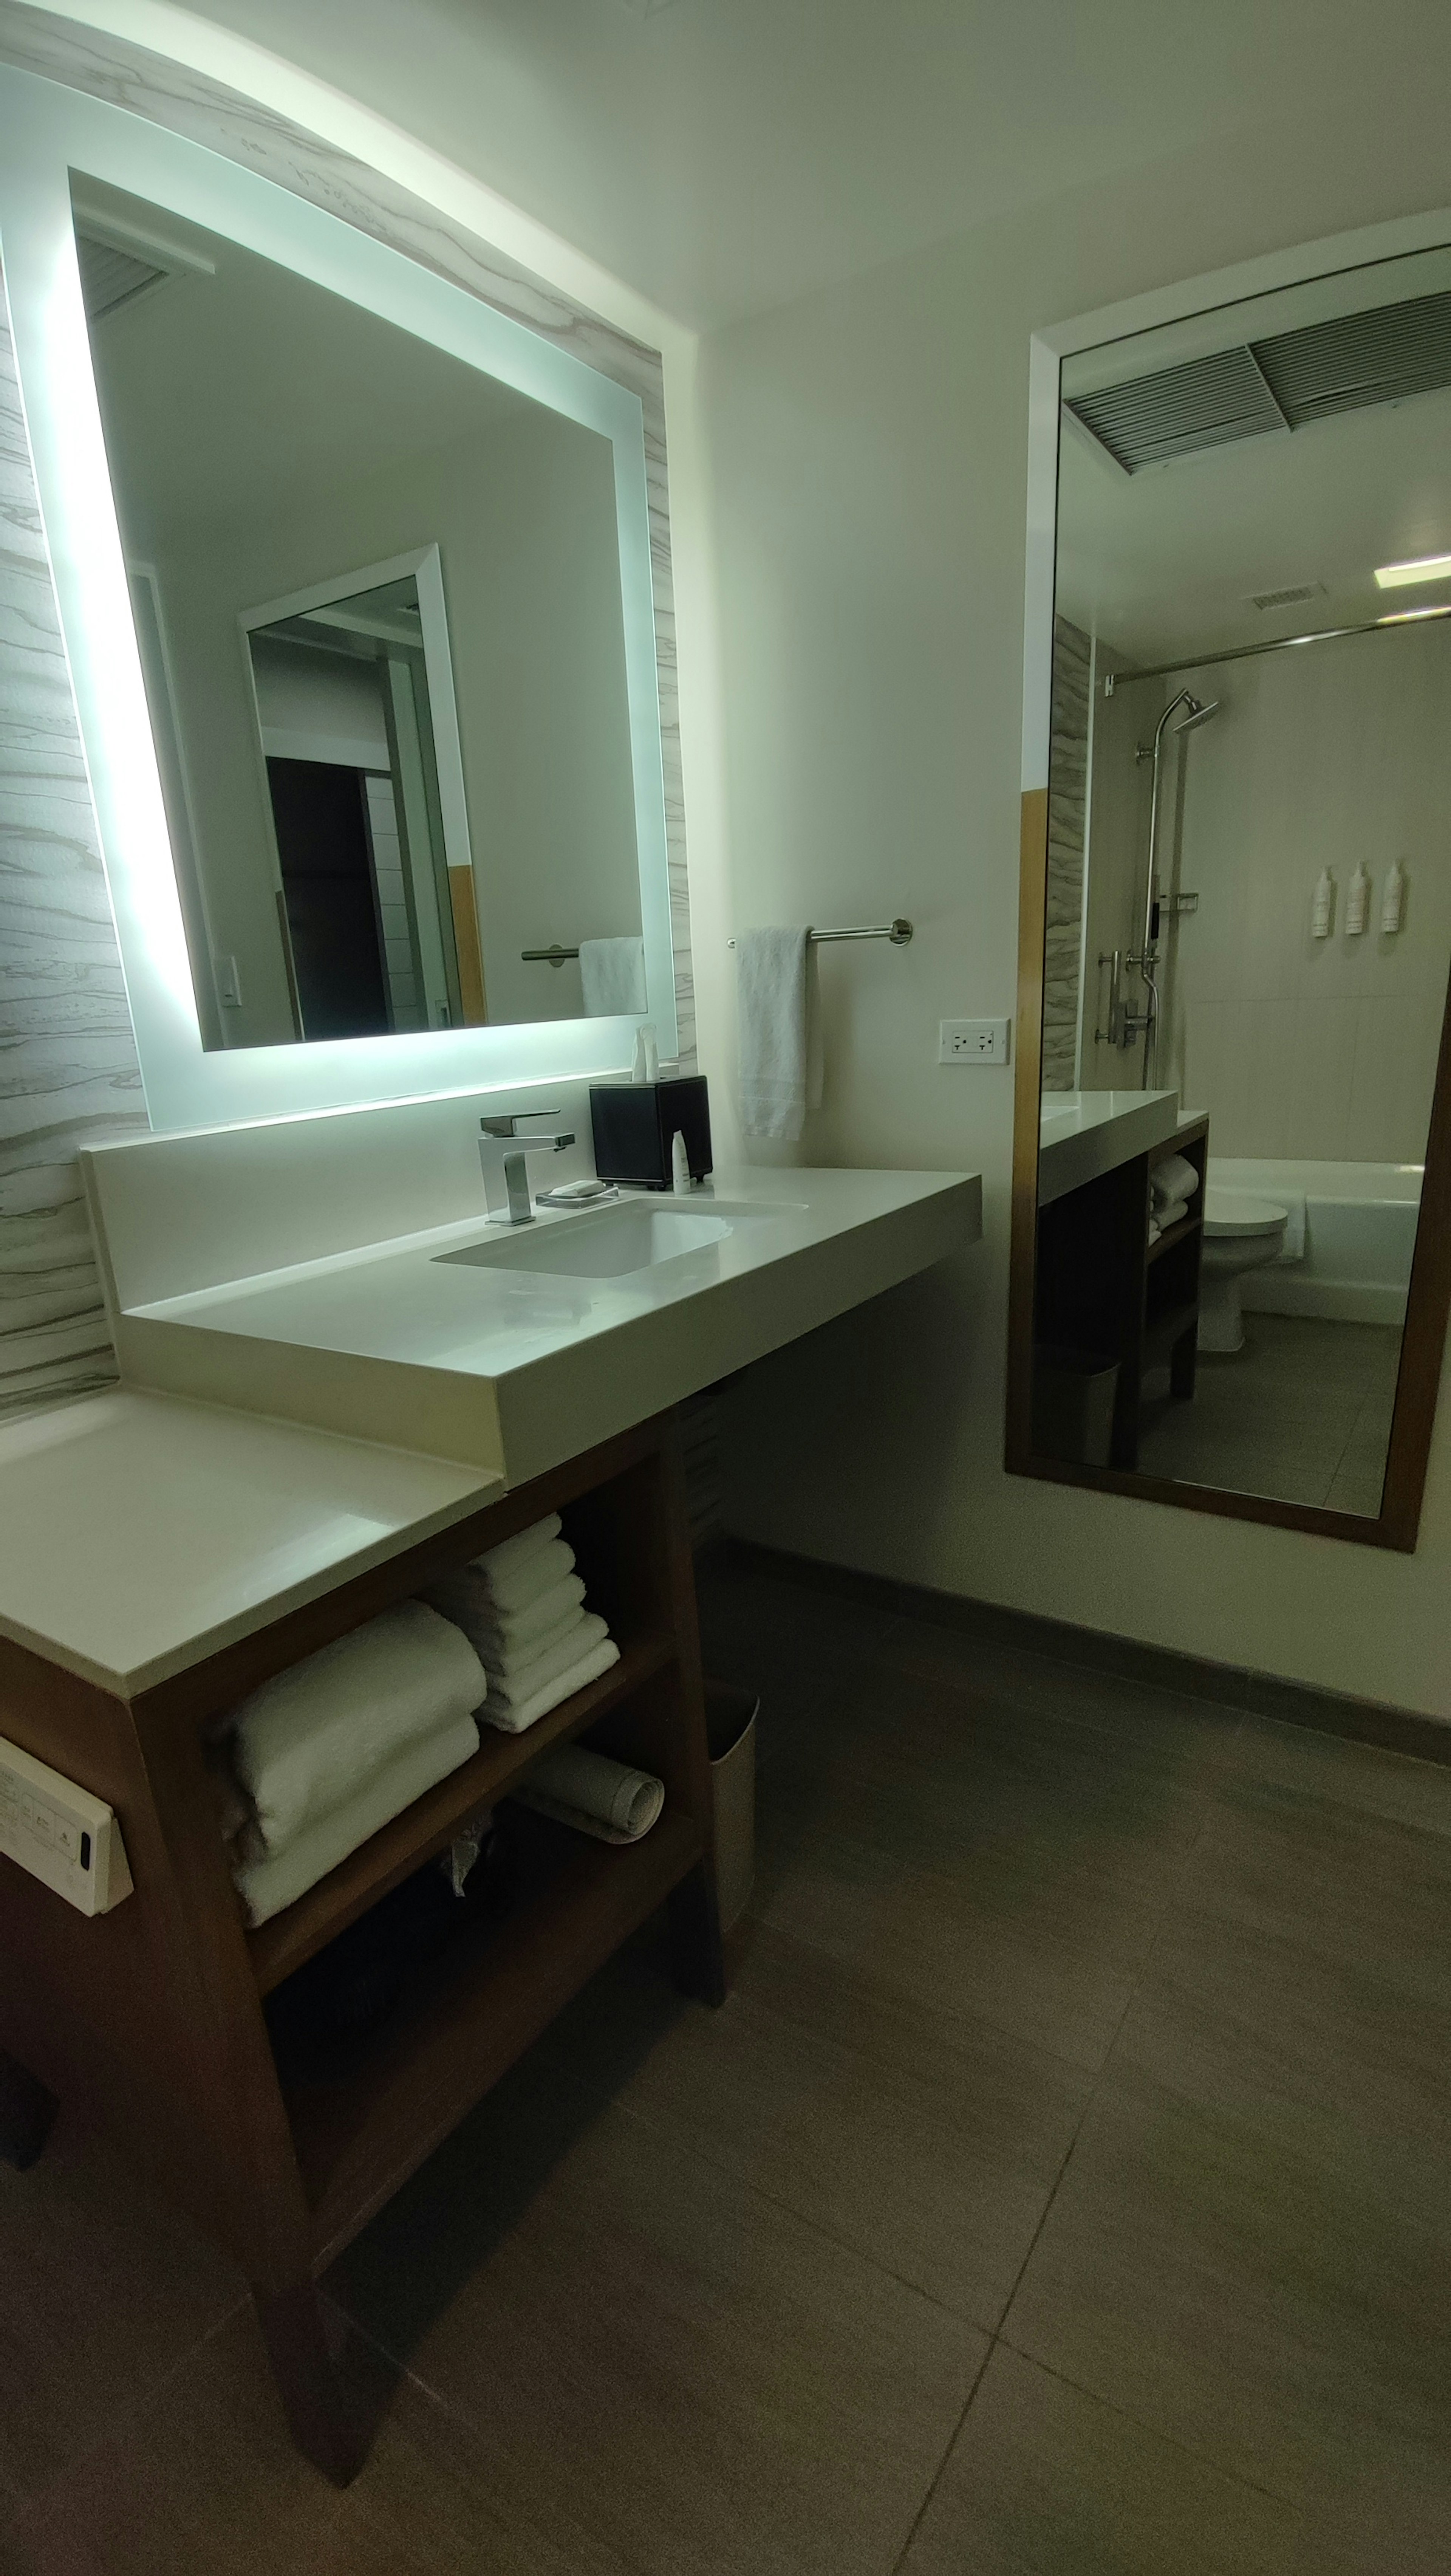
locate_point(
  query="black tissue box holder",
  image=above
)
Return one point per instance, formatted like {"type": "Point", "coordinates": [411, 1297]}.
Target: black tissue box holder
{"type": "Point", "coordinates": [634, 1124]}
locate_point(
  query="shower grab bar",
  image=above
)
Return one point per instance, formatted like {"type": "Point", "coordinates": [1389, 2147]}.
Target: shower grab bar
{"type": "Point", "coordinates": [554, 956]}
{"type": "Point", "coordinates": [898, 931]}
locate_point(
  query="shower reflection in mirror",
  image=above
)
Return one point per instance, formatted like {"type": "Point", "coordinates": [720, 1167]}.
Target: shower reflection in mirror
{"type": "Point", "coordinates": [1248, 898]}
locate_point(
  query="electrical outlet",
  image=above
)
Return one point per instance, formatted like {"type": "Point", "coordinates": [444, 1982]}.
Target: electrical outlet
{"type": "Point", "coordinates": [972, 1041]}
{"type": "Point", "coordinates": [229, 983]}
{"type": "Point", "coordinates": [63, 1836]}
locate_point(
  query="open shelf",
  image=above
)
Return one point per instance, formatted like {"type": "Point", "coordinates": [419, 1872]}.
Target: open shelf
{"type": "Point", "coordinates": [367, 2115]}
{"type": "Point", "coordinates": [1179, 1233]}
{"type": "Point", "coordinates": [429, 1825]}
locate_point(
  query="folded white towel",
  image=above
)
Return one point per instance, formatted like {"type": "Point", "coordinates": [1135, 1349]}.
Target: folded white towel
{"type": "Point", "coordinates": [509, 1630]}
{"type": "Point", "coordinates": [477, 1599]}
{"type": "Point", "coordinates": [522, 1681]}
{"type": "Point", "coordinates": [596, 1795]}
{"type": "Point", "coordinates": [780, 1034]}
{"type": "Point", "coordinates": [307, 1741]}
{"type": "Point", "coordinates": [513, 1721]}
{"type": "Point", "coordinates": [266, 1886]}
{"type": "Point", "coordinates": [524, 1543]}
{"type": "Point", "coordinates": [1175, 1178]}
{"type": "Point", "coordinates": [612, 972]}
{"type": "Point", "coordinates": [1169, 1212]}
{"type": "Point", "coordinates": [499, 1658]}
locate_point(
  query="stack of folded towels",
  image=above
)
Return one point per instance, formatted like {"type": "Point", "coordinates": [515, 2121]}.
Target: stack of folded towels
{"type": "Point", "coordinates": [1172, 1185]}
{"type": "Point", "coordinates": [328, 1752]}
{"type": "Point", "coordinates": [521, 1606]}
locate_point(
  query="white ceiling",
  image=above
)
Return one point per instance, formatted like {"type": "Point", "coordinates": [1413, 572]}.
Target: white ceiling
{"type": "Point", "coordinates": [722, 156]}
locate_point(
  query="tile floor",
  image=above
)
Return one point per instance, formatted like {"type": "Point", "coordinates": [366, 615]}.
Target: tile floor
{"type": "Point", "coordinates": [1302, 1414]}
{"type": "Point", "coordinates": [1061, 2192]}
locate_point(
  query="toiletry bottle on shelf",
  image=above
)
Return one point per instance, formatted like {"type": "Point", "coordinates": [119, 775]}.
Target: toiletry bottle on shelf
{"type": "Point", "coordinates": [680, 1180]}
{"type": "Point", "coordinates": [1393, 900]}
{"type": "Point", "coordinates": [1357, 901]}
{"type": "Point", "coordinates": [646, 1067]}
{"type": "Point", "coordinates": [1322, 911]}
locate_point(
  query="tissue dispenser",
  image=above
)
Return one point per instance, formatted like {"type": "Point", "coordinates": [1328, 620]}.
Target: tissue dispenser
{"type": "Point", "coordinates": [634, 1123]}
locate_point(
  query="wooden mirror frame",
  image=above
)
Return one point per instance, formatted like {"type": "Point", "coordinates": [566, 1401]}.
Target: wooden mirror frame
{"type": "Point", "coordinates": [1428, 1303]}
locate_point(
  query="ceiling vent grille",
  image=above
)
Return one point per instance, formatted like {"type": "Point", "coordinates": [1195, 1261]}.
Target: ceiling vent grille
{"type": "Point", "coordinates": [1207, 403]}
{"type": "Point", "coordinates": [1295, 597]}
{"type": "Point", "coordinates": [110, 276]}
{"type": "Point", "coordinates": [1384, 356]}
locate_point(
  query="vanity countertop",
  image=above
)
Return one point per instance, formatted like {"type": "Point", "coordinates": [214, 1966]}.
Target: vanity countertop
{"type": "Point", "coordinates": [1084, 1133]}
{"type": "Point", "coordinates": [139, 1534]}
{"type": "Point", "coordinates": [514, 1370]}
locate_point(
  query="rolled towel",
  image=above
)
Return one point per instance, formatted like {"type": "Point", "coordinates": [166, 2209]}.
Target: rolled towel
{"type": "Point", "coordinates": [266, 1886]}
{"type": "Point", "coordinates": [1174, 1178]}
{"type": "Point", "coordinates": [513, 1551]}
{"type": "Point", "coordinates": [1170, 1212]}
{"type": "Point", "coordinates": [588, 1790]}
{"type": "Point", "coordinates": [309, 1740]}
{"type": "Point", "coordinates": [514, 1720]}
{"type": "Point", "coordinates": [511, 1689]}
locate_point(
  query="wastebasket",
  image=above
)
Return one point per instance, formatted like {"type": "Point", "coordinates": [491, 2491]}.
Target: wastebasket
{"type": "Point", "coordinates": [1073, 1401]}
{"type": "Point", "coordinates": [730, 1727]}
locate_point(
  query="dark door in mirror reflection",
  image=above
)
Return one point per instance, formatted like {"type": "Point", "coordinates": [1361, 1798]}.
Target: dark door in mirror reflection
{"type": "Point", "coordinates": [329, 899]}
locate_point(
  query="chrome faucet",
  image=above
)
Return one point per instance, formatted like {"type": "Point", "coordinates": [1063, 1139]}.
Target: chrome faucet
{"type": "Point", "coordinates": [501, 1153]}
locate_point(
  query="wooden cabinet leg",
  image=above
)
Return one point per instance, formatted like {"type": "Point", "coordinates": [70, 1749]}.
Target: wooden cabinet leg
{"type": "Point", "coordinates": [696, 1954]}
{"type": "Point", "coordinates": [27, 2111]}
{"type": "Point", "coordinates": [329, 2428]}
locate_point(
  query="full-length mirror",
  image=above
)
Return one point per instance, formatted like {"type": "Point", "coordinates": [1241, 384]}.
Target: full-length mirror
{"type": "Point", "coordinates": [378, 598]}
{"type": "Point", "coordinates": [1246, 906]}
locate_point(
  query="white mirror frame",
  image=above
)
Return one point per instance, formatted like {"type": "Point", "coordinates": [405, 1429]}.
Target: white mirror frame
{"type": "Point", "coordinates": [46, 133]}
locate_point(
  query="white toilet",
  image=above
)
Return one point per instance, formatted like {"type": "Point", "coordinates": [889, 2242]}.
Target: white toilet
{"type": "Point", "coordinates": [1240, 1233]}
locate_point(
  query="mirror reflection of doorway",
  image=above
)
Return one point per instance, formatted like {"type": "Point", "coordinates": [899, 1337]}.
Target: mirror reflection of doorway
{"type": "Point", "coordinates": [329, 898]}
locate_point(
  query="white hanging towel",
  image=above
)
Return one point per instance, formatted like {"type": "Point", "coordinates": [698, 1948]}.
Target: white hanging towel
{"type": "Point", "coordinates": [780, 1032]}
{"type": "Point", "coordinates": [612, 972]}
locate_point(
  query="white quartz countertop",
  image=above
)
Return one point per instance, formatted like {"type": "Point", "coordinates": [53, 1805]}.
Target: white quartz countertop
{"type": "Point", "coordinates": [1085, 1133]}
{"type": "Point", "coordinates": [512, 1370]}
{"type": "Point", "coordinates": [139, 1534]}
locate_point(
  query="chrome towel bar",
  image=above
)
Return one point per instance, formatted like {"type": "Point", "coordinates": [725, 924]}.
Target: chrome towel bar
{"type": "Point", "coordinates": [898, 931]}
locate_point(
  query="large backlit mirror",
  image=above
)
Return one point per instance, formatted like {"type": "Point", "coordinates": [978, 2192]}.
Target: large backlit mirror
{"type": "Point", "coordinates": [1229, 1283]}
{"type": "Point", "coordinates": [378, 597]}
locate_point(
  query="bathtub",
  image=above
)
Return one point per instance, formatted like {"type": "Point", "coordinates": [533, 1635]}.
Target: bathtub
{"type": "Point", "coordinates": [1360, 1233]}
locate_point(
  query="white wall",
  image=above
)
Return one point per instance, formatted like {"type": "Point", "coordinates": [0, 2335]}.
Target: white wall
{"type": "Point", "coordinates": [868, 451]}
{"type": "Point", "coordinates": [1299, 1046]}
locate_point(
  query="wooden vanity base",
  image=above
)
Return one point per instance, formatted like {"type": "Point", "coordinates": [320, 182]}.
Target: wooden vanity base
{"type": "Point", "coordinates": [152, 2016]}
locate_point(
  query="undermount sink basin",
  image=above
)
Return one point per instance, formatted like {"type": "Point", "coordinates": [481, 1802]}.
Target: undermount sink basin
{"type": "Point", "coordinates": [608, 1246]}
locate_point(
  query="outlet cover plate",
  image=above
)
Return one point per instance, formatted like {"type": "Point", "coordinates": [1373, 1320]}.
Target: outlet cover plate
{"type": "Point", "coordinates": [972, 1041]}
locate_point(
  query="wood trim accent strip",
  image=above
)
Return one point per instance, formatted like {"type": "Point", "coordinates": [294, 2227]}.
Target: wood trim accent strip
{"type": "Point", "coordinates": [1324, 1712]}
{"type": "Point", "coordinates": [1027, 1086]}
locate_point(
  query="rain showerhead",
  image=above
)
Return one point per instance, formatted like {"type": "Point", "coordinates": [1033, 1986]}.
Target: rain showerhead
{"type": "Point", "coordinates": [1198, 714]}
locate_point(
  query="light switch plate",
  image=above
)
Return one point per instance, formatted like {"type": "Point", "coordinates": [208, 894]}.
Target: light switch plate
{"type": "Point", "coordinates": [63, 1836]}
{"type": "Point", "coordinates": [972, 1041]}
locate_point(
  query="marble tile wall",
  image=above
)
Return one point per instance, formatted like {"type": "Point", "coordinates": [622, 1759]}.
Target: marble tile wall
{"type": "Point", "coordinates": [1067, 814]}
{"type": "Point", "coordinates": [68, 1068]}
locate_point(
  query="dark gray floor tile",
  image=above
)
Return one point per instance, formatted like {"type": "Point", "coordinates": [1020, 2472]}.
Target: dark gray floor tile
{"type": "Point", "coordinates": [1342, 2066]}
{"type": "Point", "coordinates": [103, 2287]}
{"type": "Point", "coordinates": [1049, 1958]}
{"type": "Point", "coordinates": [1395, 1787]}
{"type": "Point", "coordinates": [1247, 2300]}
{"type": "Point", "coordinates": [928, 2140]}
{"type": "Point", "coordinates": [1045, 2481]}
{"type": "Point", "coordinates": [204, 2478]}
{"type": "Point", "coordinates": [707, 2382]}
{"type": "Point", "coordinates": [1184, 1735]}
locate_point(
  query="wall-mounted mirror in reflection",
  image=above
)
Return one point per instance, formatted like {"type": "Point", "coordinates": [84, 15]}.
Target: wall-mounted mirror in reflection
{"type": "Point", "coordinates": [1247, 899]}
{"type": "Point", "coordinates": [378, 597]}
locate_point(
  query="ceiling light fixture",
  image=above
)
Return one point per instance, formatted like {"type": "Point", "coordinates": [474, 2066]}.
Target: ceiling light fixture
{"type": "Point", "coordinates": [1397, 576]}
